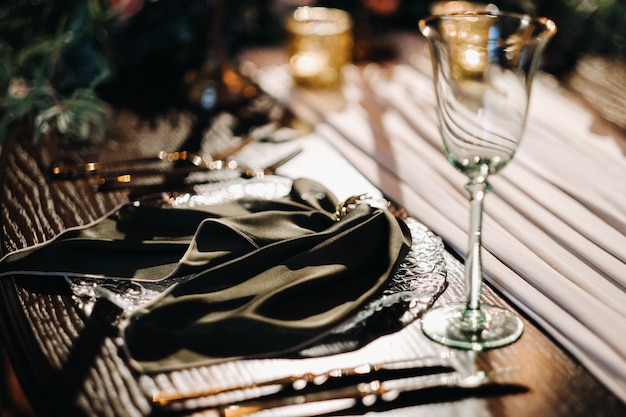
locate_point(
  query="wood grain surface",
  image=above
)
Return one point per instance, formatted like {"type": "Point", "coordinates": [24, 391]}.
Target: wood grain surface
{"type": "Point", "coordinates": [71, 364]}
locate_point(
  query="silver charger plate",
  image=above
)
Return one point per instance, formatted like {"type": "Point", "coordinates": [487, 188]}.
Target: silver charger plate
{"type": "Point", "coordinates": [419, 280]}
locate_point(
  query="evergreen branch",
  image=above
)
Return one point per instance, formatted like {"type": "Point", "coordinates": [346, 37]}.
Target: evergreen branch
{"type": "Point", "coordinates": [82, 116]}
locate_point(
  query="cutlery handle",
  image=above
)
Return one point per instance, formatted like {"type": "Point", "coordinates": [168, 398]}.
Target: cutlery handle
{"type": "Point", "coordinates": [88, 169]}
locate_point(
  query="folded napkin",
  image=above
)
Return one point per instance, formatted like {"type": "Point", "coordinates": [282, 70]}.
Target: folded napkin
{"type": "Point", "coordinates": [256, 277]}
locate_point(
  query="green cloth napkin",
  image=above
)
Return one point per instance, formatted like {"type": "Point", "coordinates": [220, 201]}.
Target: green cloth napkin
{"type": "Point", "coordinates": [258, 277]}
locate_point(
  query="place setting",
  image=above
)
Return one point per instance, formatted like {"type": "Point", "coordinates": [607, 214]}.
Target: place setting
{"type": "Point", "coordinates": [98, 273]}
{"type": "Point", "coordinates": [333, 363]}
{"type": "Point", "coordinates": [324, 363]}
{"type": "Point", "coordinates": [120, 267]}
{"type": "Point", "coordinates": [257, 290]}
{"type": "Point", "coordinates": [326, 231]}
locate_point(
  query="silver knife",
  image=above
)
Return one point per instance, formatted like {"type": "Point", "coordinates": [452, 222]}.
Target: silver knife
{"type": "Point", "coordinates": [298, 382]}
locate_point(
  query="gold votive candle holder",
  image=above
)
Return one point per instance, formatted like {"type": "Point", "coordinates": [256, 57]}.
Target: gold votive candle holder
{"type": "Point", "coordinates": [319, 44]}
{"type": "Point", "coordinates": [447, 7]}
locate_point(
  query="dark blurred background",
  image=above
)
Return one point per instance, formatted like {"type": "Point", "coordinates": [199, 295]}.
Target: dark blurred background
{"type": "Point", "coordinates": [144, 41]}
{"type": "Point", "coordinates": [136, 52]}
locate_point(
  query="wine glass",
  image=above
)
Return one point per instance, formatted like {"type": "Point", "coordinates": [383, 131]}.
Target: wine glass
{"type": "Point", "coordinates": [483, 67]}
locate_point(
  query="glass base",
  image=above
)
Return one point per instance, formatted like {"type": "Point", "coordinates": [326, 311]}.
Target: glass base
{"type": "Point", "coordinates": [490, 327]}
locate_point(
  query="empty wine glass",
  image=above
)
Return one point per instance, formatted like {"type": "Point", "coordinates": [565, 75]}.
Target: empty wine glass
{"type": "Point", "coordinates": [483, 67]}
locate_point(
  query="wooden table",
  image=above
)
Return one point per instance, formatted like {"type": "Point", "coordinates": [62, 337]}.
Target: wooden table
{"type": "Point", "coordinates": [70, 364]}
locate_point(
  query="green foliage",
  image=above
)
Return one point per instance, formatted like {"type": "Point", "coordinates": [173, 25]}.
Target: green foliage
{"type": "Point", "coordinates": [60, 59]}
{"type": "Point", "coordinates": [51, 60]}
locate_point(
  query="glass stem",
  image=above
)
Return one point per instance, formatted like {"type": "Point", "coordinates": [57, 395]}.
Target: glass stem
{"type": "Point", "coordinates": [477, 188]}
